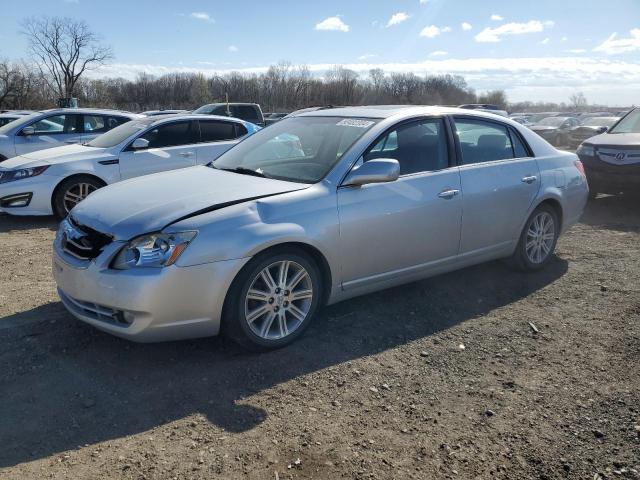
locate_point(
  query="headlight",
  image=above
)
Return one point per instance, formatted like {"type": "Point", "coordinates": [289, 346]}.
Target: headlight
{"type": "Point", "coordinates": [19, 174]}
{"type": "Point", "coordinates": [586, 150]}
{"type": "Point", "coordinates": [155, 250]}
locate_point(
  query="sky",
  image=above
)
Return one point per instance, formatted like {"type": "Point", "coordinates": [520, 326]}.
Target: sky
{"type": "Point", "coordinates": [538, 50]}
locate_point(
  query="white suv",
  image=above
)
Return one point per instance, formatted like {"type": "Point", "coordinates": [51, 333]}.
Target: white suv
{"type": "Point", "coordinates": [52, 128]}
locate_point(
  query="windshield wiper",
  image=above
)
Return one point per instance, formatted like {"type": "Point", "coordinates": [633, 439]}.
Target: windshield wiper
{"type": "Point", "coordinates": [243, 171]}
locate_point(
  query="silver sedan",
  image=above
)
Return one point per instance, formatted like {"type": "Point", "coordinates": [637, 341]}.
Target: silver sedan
{"type": "Point", "coordinates": [315, 209]}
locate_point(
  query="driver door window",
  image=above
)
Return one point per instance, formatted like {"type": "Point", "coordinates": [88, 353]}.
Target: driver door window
{"type": "Point", "coordinates": [171, 146]}
{"type": "Point", "coordinates": [56, 125]}
{"type": "Point", "coordinates": [417, 146]}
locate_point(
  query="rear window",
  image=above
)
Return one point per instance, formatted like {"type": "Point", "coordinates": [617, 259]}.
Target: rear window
{"type": "Point", "coordinates": [246, 112]}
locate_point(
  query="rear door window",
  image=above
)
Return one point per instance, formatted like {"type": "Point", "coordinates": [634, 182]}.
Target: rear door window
{"type": "Point", "coordinates": [216, 131]}
{"type": "Point", "coordinates": [482, 141]}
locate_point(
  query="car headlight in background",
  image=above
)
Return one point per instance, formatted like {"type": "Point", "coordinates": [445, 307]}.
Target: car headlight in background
{"type": "Point", "coordinates": [21, 173]}
{"type": "Point", "coordinates": [586, 150]}
{"type": "Point", "coordinates": [155, 250]}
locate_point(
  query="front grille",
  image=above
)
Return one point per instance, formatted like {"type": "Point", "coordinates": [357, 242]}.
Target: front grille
{"type": "Point", "coordinates": [94, 311]}
{"type": "Point", "coordinates": [619, 156]}
{"type": "Point", "coordinates": [81, 242]}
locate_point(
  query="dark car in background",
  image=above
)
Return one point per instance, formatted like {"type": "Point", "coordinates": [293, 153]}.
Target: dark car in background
{"type": "Point", "coordinates": [249, 112]}
{"type": "Point", "coordinates": [590, 127]}
{"type": "Point", "coordinates": [612, 159]}
{"type": "Point", "coordinates": [555, 130]}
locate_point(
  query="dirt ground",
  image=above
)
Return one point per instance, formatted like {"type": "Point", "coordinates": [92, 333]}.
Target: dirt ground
{"type": "Point", "coordinates": [445, 378]}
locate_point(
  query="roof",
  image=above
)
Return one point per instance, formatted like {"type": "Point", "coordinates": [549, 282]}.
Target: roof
{"type": "Point", "coordinates": [97, 111]}
{"type": "Point", "coordinates": [186, 116]}
{"type": "Point", "coordinates": [386, 111]}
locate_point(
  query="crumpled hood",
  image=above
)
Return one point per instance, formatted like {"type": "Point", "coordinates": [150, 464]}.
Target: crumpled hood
{"type": "Point", "coordinates": [148, 204]}
{"type": "Point", "coordinates": [613, 140]}
{"type": "Point", "coordinates": [56, 155]}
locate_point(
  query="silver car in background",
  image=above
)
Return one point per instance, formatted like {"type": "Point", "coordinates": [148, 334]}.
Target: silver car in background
{"type": "Point", "coordinates": [52, 128]}
{"type": "Point", "coordinates": [313, 210]}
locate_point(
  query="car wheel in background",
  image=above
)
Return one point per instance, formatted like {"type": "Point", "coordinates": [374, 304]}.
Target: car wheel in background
{"type": "Point", "coordinates": [72, 191]}
{"type": "Point", "coordinates": [537, 240]}
{"type": "Point", "coordinates": [273, 299]}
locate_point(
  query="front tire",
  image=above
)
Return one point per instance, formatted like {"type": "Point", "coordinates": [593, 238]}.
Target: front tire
{"type": "Point", "coordinates": [273, 300]}
{"type": "Point", "coordinates": [71, 192]}
{"type": "Point", "coordinates": [537, 240]}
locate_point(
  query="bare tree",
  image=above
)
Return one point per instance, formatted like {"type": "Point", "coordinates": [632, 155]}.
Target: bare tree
{"type": "Point", "coordinates": [578, 101]}
{"type": "Point", "coordinates": [64, 49]}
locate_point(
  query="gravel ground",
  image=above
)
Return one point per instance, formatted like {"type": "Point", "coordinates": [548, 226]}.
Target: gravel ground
{"type": "Point", "coordinates": [474, 374]}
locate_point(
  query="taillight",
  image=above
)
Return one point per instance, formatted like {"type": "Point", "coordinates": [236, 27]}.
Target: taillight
{"type": "Point", "coordinates": [580, 168]}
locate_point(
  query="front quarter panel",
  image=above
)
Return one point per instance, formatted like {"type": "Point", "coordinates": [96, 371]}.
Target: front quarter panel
{"type": "Point", "coordinates": [306, 216]}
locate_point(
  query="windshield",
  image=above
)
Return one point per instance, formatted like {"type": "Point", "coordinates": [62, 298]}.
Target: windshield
{"type": "Point", "coordinates": [19, 122]}
{"type": "Point", "coordinates": [551, 121]}
{"type": "Point", "coordinates": [629, 124]}
{"type": "Point", "coordinates": [117, 135]}
{"type": "Point", "coordinates": [298, 149]}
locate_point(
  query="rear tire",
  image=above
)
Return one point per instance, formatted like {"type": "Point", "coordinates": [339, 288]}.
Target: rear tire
{"type": "Point", "coordinates": [71, 192]}
{"type": "Point", "coordinates": [267, 309]}
{"type": "Point", "coordinates": [537, 241]}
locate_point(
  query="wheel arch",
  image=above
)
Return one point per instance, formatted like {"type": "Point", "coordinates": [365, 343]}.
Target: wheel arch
{"type": "Point", "coordinates": [318, 257]}
{"type": "Point", "coordinates": [74, 175]}
{"type": "Point", "coordinates": [555, 204]}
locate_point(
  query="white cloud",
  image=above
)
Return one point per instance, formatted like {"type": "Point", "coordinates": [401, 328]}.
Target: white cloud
{"type": "Point", "coordinates": [424, 2]}
{"type": "Point", "coordinates": [367, 56]}
{"type": "Point", "coordinates": [397, 18]}
{"type": "Point", "coordinates": [233, 48]}
{"type": "Point", "coordinates": [575, 50]}
{"type": "Point", "coordinates": [564, 39]}
{"type": "Point", "coordinates": [439, 53]}
{"type": "Point", "coordinates": [615, 46]}
{"type": "Point", "coordinates": [495, 34]}
{"type": "Point", "coordinates": [333, 23]}
{"type": "Point", "coordinates": [545, 41]}
{"type": "Point", "coordinates": [204, 16]}
{"type": "Point", "coordinates": [604, 81]}
{"type": "Point", "coordinates": [466, 26]}
{"type": "Point", "coordinates": [432, 31]}
{"type": "Point", "coordinates": [497, 18]}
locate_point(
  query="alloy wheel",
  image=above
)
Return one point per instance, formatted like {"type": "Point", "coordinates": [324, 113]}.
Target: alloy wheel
{"type": "Point", "coordinates": [540, 237]}
{"type": "Point", "coordinates": [76, 193]}
{"type": "Point", "coordinates": [278, 300]}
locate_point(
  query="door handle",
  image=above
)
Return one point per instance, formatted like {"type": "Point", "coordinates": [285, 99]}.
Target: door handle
{"type": "Point", "coordinates": [530, 179]}
{"type": "Point", "coordinates": [448, 194]}
{"type": "Point", "coordinates": [186, 154]}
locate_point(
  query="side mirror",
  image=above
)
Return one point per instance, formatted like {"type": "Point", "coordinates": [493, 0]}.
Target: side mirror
{"type": "Point", "coordinates": [603, 129]}
{"type": "Point", "coordinates": [140, 143]}
{"type": "Point", "coordinates": [30, 130]}
{"type": "Point", "coordinates": [380, 170]}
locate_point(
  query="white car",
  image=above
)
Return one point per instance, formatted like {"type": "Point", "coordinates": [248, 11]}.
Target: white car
{"type": "Point", "coordinates": [55, 180]}
{"type": "Point", "coordinates": [10, 116]}
{"type": "Point", "coordinates": [52, 128]}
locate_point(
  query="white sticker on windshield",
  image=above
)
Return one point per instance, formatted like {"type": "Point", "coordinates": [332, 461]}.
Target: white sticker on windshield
{"type": "Point", "coordinates": [354, 122]}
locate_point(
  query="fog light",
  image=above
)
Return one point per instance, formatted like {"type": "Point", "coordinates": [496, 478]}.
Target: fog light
{"type": "Point", "coordinates": [16, 201]}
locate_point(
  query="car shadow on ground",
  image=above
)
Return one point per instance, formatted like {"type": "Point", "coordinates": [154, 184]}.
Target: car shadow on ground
{"type": "Point", "coordinates": [613, 212]}
{"type": "Point", "coordinates": [65, 384]}
{"type": "Point", "coordinates": [10, 223]}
